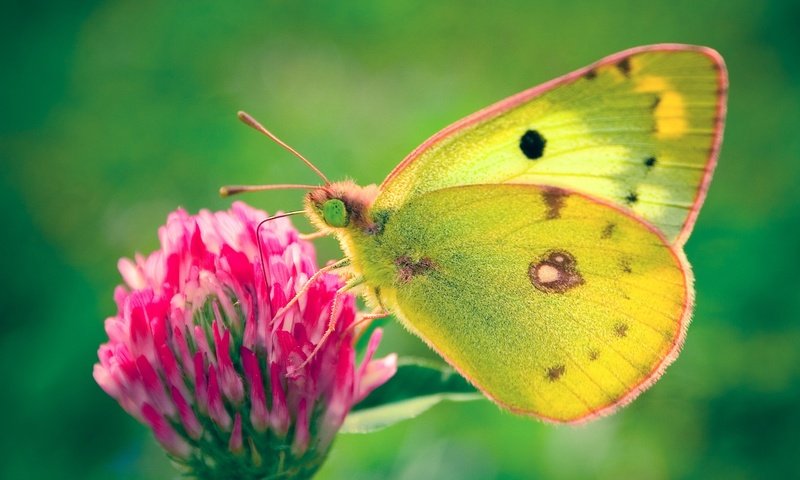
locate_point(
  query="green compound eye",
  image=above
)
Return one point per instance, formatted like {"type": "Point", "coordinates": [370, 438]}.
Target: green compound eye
{"type": "Point", "coordinates": [335, 213]}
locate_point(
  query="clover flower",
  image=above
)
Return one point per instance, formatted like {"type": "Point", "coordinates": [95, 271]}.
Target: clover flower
{"type": "Point", "coordinates": [196, 351]}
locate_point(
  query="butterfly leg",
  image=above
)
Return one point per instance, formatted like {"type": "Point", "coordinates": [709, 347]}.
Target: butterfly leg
{"type": "Point", "coordinates": [333, 266]}
{"type": "Point", "coordinates": [314, 236]}
{"type": "Point", "coordinates": [331, 322]}
{"type": "Point", "coordinates": [367, 318]}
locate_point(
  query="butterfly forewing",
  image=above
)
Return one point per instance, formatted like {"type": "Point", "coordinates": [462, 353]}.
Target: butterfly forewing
{"type": "Point", "coordinates": [552, 303]}
{"type": "Point", "coordinates": [640, 129]}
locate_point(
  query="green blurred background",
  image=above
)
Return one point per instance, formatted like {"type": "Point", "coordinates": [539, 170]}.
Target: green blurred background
{"type": "Point", "coordinates": [115, 112]}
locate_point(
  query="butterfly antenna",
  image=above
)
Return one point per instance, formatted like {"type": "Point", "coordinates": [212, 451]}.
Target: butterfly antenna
{"type": "Point", "coordinates": [258, 238]}
{"type": "Point", "coordinates": [229, 190]}
{"type": "Point", "coordinates": [253, 123]}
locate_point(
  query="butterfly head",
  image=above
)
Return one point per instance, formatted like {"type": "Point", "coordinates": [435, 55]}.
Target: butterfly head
{"type": "Point", "coordinates": [341, 205]}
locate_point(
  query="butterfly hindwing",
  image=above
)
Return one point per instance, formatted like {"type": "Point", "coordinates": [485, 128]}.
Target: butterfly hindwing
{"type": "Point", "coordinates": [554, 304]}
{"type": "Point", "coordinates": [640, 129]}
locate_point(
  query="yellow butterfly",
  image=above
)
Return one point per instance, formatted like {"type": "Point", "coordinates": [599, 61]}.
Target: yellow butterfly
{"type": "Point", "coordinates": [536, 245]}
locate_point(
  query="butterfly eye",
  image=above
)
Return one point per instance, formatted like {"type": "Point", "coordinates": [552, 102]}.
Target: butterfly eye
{"type": "Point", "coordinates": [335, 213]}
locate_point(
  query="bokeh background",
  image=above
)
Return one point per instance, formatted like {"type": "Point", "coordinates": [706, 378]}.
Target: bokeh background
{"type": "Point", "coordinates": [115, 112]}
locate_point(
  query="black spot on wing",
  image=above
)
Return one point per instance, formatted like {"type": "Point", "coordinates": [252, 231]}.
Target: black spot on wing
{"type": "Point", "coordinates": [625, 265]}
{"type": "Point", "coordinates": [621, 330]}
{"type": "Point", "coordinates": [655, 103]}
{"type": "Point", "coordinates": [590, 75]}
{"type": "Point", "coordinates": [632, 198]}
{"type": "Point", "coordinates": [555, 372]}
{"type": "Point", "coordinates": [532, 144]}
{"type": "Point", "coordinates": [608, 230]}
{"type": "Point", "coordinates": [650, 162]}
{"type": "Point", "coordinates": [624, 66]}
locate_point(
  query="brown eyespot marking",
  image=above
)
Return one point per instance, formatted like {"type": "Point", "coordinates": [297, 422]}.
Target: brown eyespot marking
{"type": "Point", "coordinates": [594, 354]}
{"type": "Point", "coordinates": [556, 273]}
{"type": "Point", "coordinates": [554, 199]}
{"type": "Point", "coordinates": [555, 372]}
{"type": "Point", "coordinates": [621, 330]}
{"type": "Point", "coordinates": [408, 268]}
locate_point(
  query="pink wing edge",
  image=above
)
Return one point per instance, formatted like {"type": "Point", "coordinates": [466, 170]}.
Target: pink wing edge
{"type": "Point", "coordinates": [524, 96]}
{"type": "Point", "coordinates": [653, 375]}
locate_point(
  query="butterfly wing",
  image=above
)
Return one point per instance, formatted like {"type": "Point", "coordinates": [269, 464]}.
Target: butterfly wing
{"type": "Point", "coordinates": [641, 129]}
{"type": "Point", "coordinates": [552, 303]}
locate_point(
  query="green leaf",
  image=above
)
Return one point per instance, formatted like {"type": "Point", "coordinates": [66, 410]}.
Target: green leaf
{"type": "Point", "coordinates": [363, 338]}
{"type": "Point", "coordinates": [417, 386]}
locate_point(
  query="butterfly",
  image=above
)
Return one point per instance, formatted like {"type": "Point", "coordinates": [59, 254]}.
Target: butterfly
{"type": "Point", "coordinates": [536, 245]}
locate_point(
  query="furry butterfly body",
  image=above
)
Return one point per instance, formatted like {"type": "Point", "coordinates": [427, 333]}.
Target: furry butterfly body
{"type": "Point", "coordinates": [537, 244]}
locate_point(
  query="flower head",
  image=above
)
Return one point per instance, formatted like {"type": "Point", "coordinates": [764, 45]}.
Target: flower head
{"type": "Point", "coordinates": [197, 352]}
